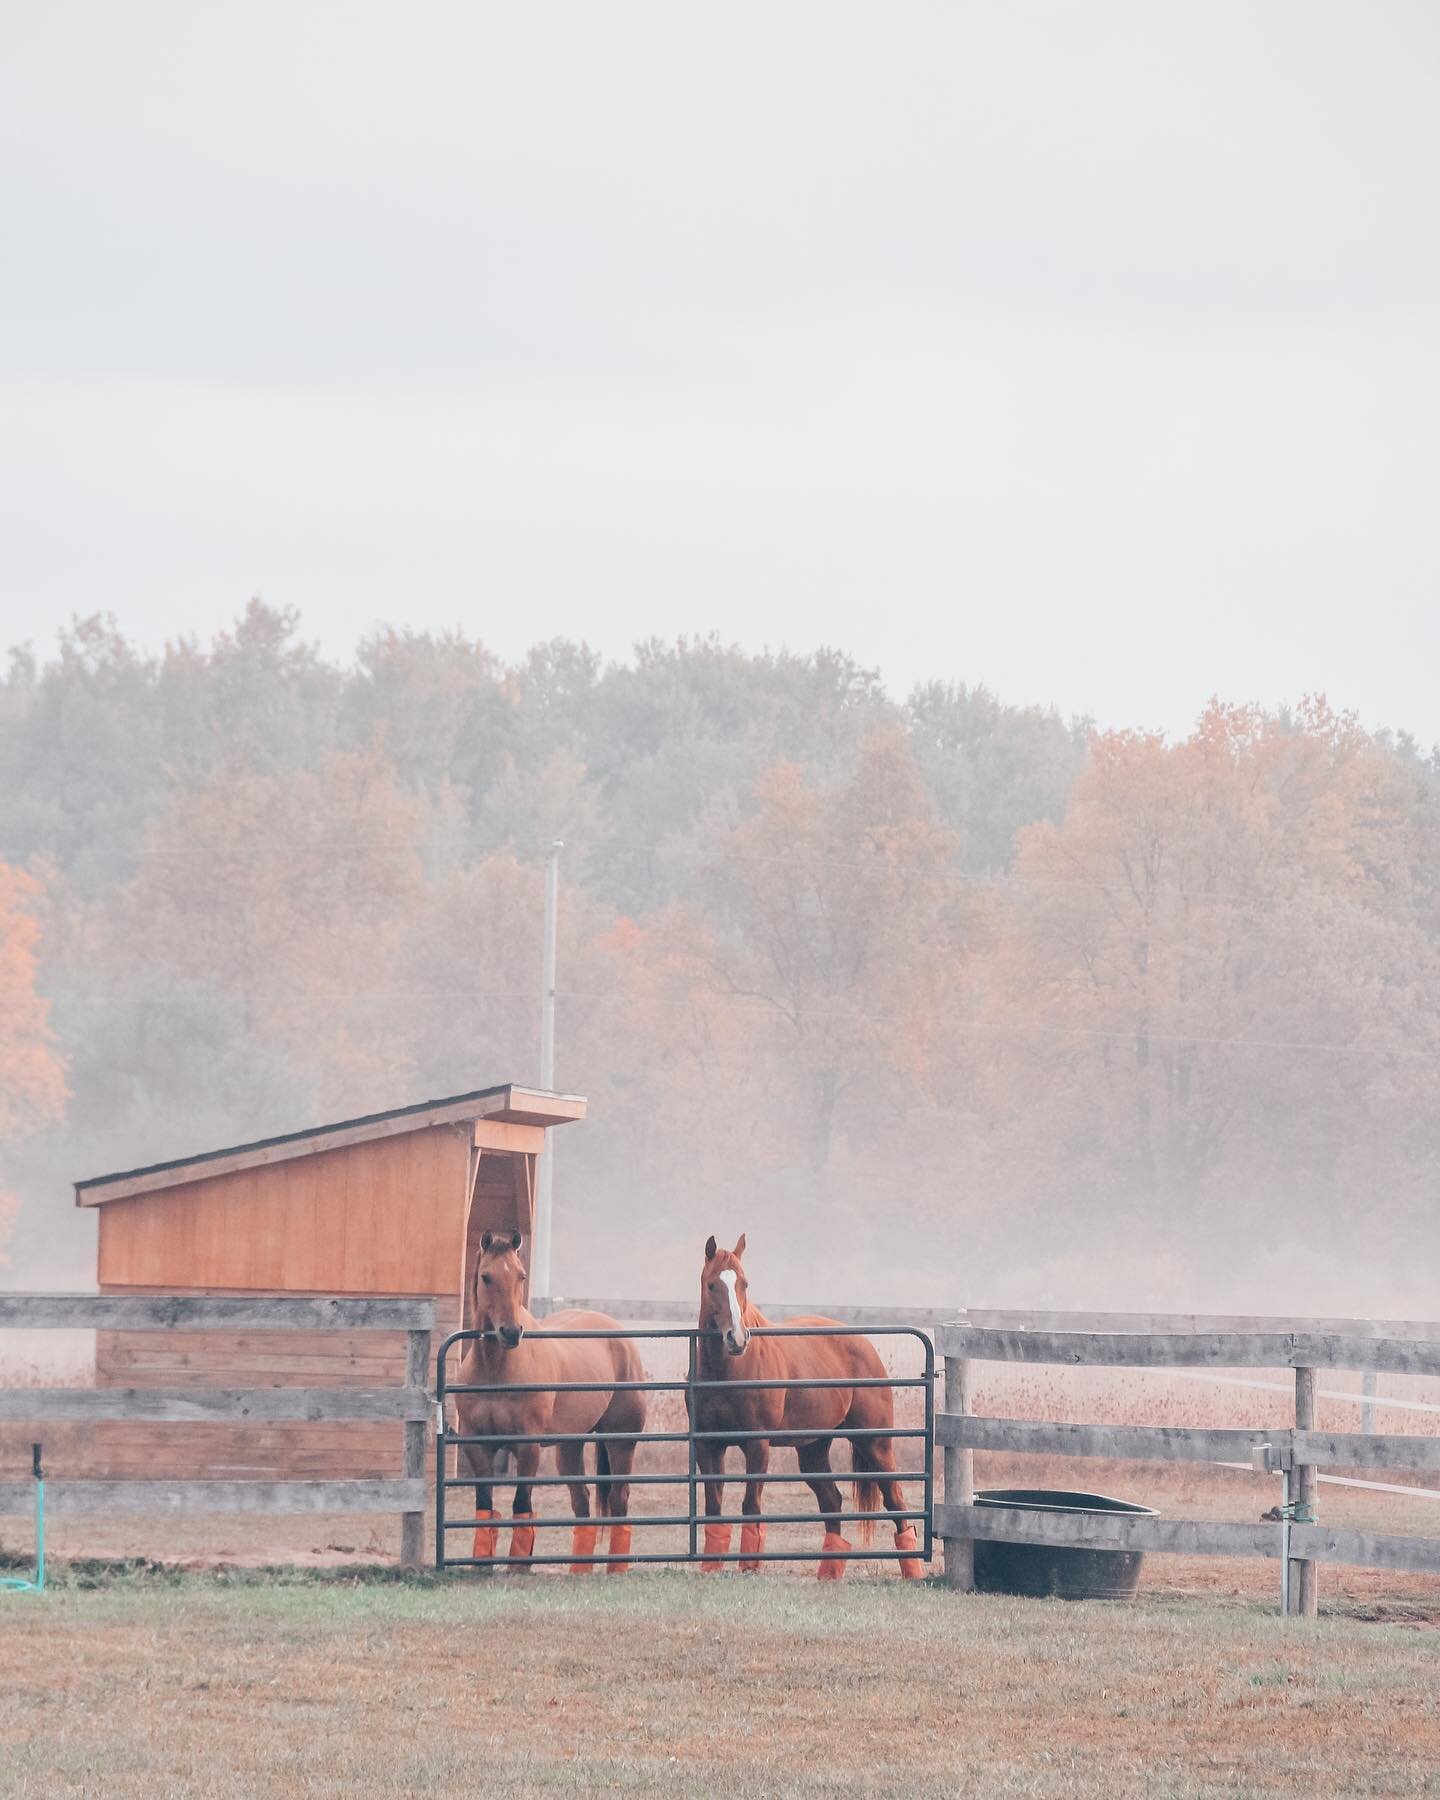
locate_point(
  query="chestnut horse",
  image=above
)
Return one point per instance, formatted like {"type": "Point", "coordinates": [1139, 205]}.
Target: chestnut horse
{"type": "Point", "coordinates": [810, 1419]}
{"type": "Point", "coordinates": [516, 1348]}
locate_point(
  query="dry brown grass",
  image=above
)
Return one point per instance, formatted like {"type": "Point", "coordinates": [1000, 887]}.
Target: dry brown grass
{"type": "Point", "coordinates": [682, 1684]}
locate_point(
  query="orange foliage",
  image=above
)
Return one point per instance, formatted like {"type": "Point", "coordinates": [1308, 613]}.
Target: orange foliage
{"type": "Point", "coordinates": [32, 1076]}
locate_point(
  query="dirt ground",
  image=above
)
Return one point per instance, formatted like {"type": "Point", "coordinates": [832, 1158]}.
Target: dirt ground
{"type": "Point", "coordinates": [676, 1683]}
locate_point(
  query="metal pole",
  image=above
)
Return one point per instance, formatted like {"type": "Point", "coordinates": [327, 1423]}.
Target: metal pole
{"type": "Point", "coordinates": [540, 1251]}
{"type": "Point", "coordinates": [1285, 1510]}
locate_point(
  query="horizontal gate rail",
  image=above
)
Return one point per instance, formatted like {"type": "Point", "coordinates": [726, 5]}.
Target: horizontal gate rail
{"type": "Point", "coordinates": [692, 1478]}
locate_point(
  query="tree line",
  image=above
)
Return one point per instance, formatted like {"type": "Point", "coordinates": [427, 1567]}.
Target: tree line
{"type": "Point", "coordinates": [949, 997]}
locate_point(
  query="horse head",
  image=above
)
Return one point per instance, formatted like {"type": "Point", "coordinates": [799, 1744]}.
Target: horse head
{"type": "Point", "coordinates": [500, 1288]}
{"type": "Point", "coordinates": [723, 1291]}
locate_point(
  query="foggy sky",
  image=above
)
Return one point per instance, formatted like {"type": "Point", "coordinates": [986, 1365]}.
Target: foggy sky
{"type": "Point", "coordinates": [1089, 351]}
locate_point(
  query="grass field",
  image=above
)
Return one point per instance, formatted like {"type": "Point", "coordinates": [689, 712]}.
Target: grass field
{"type": "Point", "coordinates": [161, 1684]}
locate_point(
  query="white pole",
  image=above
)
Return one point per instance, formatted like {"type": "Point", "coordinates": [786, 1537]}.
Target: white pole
{"type": "Point", "coordinates": [540, 1253]}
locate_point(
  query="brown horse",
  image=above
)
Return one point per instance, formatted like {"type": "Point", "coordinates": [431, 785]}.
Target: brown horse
{"type": "Point", "coordinates": [810, 1419]}
{"type": "Point", "coordinates": [517, 1349]}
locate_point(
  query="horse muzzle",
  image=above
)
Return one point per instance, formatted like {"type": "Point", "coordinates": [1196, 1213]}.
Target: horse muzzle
{"type": "Point", "coordinates": [510, 1335]}
{"type": "Point", "coordinates": [736, 1346]}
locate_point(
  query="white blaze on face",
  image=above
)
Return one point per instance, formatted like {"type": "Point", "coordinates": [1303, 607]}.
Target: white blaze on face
{"type": "Point", "coordinates": [736, 1323]}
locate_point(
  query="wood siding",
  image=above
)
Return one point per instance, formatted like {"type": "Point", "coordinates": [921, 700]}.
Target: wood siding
{"type": "Point", "coordinates": [376, 1218]}
{"type": "Point", "coordinates": [392, 1216]}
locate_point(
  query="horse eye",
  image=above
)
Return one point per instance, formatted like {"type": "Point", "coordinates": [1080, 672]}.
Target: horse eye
{"type": "Point", "coordinates": [714, 1287]}
{"type": "Point", "coordinates": [486, 1280]}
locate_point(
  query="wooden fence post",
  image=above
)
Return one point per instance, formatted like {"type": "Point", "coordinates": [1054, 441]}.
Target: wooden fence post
{"type": "Point", "coordinates": [412, 1524]}
{"type": "Point", "coordinates": [959, 1478]}
{"type": "Point", "coordinates": [1305, 1599]}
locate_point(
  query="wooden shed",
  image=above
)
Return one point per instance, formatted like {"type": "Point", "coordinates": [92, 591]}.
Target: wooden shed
{"type": "Point", "coordinates": [390, 1204]}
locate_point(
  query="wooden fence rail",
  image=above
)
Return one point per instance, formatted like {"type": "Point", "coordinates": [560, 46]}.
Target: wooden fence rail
{"type": "Point", "coordinates": [1300, 1451]}
{"type": "Point", "coordinates": [408, 1405]}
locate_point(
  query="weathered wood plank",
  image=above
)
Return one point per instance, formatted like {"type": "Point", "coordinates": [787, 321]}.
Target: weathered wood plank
{"type": "Point", "coordinates": [412, 1524]}
{"type": "Point", "coordinates": [959, 1466]}
{"type": "Point", "coordinates": [211, 1312]}
{"type": "Point", "coordinates": [1366, 1450]}
{"type": "Point", "coordinates": [1366, 1549]}
{"type": "Point", "coordinates": [1107, 1531]}
{"type": "Point", "coordinates": [1165, 1443]}
{"type": "Point", "coordinates": [1144, 1443]}
{"type": "Point", "coordinates": [1304, 1571]}
{"type": "Point", "coordinates": [1187, 1537]}
{"type": "Point", "coordinates": [1215, 1350]}
{"type": "Point", "coordinates": [1018, 1319]}
{"type": "Point", "coordinates": [87, 1499]}
{"type": "Point", "coordinates": [184, 1405]}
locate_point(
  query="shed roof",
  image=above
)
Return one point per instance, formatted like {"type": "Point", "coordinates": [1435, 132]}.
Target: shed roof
{"type": "Point", "coordinates": [506, 1103]}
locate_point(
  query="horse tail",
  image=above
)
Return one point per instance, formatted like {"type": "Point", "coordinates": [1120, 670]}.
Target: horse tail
{"type": "Point", "coordinates": [602, 1488]}
{"type": "Point", "coordinates": [868, 1499]}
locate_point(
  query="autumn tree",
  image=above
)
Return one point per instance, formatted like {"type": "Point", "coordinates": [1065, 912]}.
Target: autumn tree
{"type": "Point", "coordinates": [1209, 987]}
{"type": "Point", "coordinates": [32, 1075]}
{"type": "Point", "coordinates": [830, 914]}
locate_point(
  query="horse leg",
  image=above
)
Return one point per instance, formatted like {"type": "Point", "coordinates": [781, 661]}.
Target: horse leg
{"type": "Point", "coordinates": [815, 1466]}
{"type": "Point", "coordinates": [617, 1459]}
{"type": "Point", "coordinates": [752, 1532]}
{"type": "Point", "coordinates": [876, 1456]}
{"type": "Point", "coordinates": [570, 1459]}
{"type": "Point", "coordinates": [482, 1467]}
{"type": "Point", "coordinates": [710, 1459]}
{"type": "Point", "coordinates": [522, 1531]}
{"type": "Point", "coordinates": [615, 1456]}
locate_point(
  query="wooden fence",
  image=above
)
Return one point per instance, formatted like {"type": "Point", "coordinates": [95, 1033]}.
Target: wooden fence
{"type": "Point", "coordinates": [408, 1405]}
{"type": "Point", "coordinates": [1302, 1449]}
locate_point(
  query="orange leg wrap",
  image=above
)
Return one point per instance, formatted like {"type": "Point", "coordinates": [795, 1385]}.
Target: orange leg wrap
{"type": "Point", "coordinates": [522, 1535]}
{"type": "Point", "coordinates": [582, 1543]}
{"type": "Point", "coordinates": [717, 1543]}
{"type": "Point", "coordinates": [619, 1546]}
{"type": "Point", "coordinates": [833, 1569]}
{"type": "Point", "coordinates": [485, 1536]}
{"type": "Point", "coordinates": [911, 1567]}
{"type": "Point", "coordinates": [752, 1542]}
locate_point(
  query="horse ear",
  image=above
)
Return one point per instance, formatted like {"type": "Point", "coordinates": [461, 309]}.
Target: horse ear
{"type": "Point", "coordinates": [487, 1238]}
{"type": "Point", "coordinates": [710, 1249]}
{"type": "Point", "coordinates": [739, 1249]}
{"type": "Point", "coordinates": [515, 1240]}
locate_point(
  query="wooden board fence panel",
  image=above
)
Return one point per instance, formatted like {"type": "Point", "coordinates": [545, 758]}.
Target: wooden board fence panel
{"type": "Point", "coordinates": [1366, 1549]}
{"type": "Point", "coordinates": [89, 1499]}
{"type": "Point", "coordinates": [212, 1405]}
{"type": "Point", "coordinates": [1142, 1443]}
{"type": "Point", "coordinates": [1206, 1350]}
{"type": "Point", "coordinates": [1366, 1450]}
{"type": "Point", "coordinates": [210, 1312]}
{"type": "Point", "coordinates": [1186, 1537]}
{"type": "Point", "coordinates": [1106, 1531]}
{"type": "Point", "coordinates": [1166, 1443]}
{"type": "Point", "coordinates": [1018, 1319]}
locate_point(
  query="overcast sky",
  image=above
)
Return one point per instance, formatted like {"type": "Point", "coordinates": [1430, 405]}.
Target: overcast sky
{"type": "Point", "coordinates": [1089, 351]}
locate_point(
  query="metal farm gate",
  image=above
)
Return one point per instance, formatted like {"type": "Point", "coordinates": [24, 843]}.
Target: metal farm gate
{"type": "Point", "coordinates": [672, 1535]}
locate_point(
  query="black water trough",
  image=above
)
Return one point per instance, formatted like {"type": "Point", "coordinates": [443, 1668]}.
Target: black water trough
{"type": "Point", "coordinates": [1065, 1571]}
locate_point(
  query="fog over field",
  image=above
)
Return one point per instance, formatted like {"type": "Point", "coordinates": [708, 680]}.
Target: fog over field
{"type": "Point", "coordinates": [932, 507]}
{"type": "Point", "coordinates": [939, 999]}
